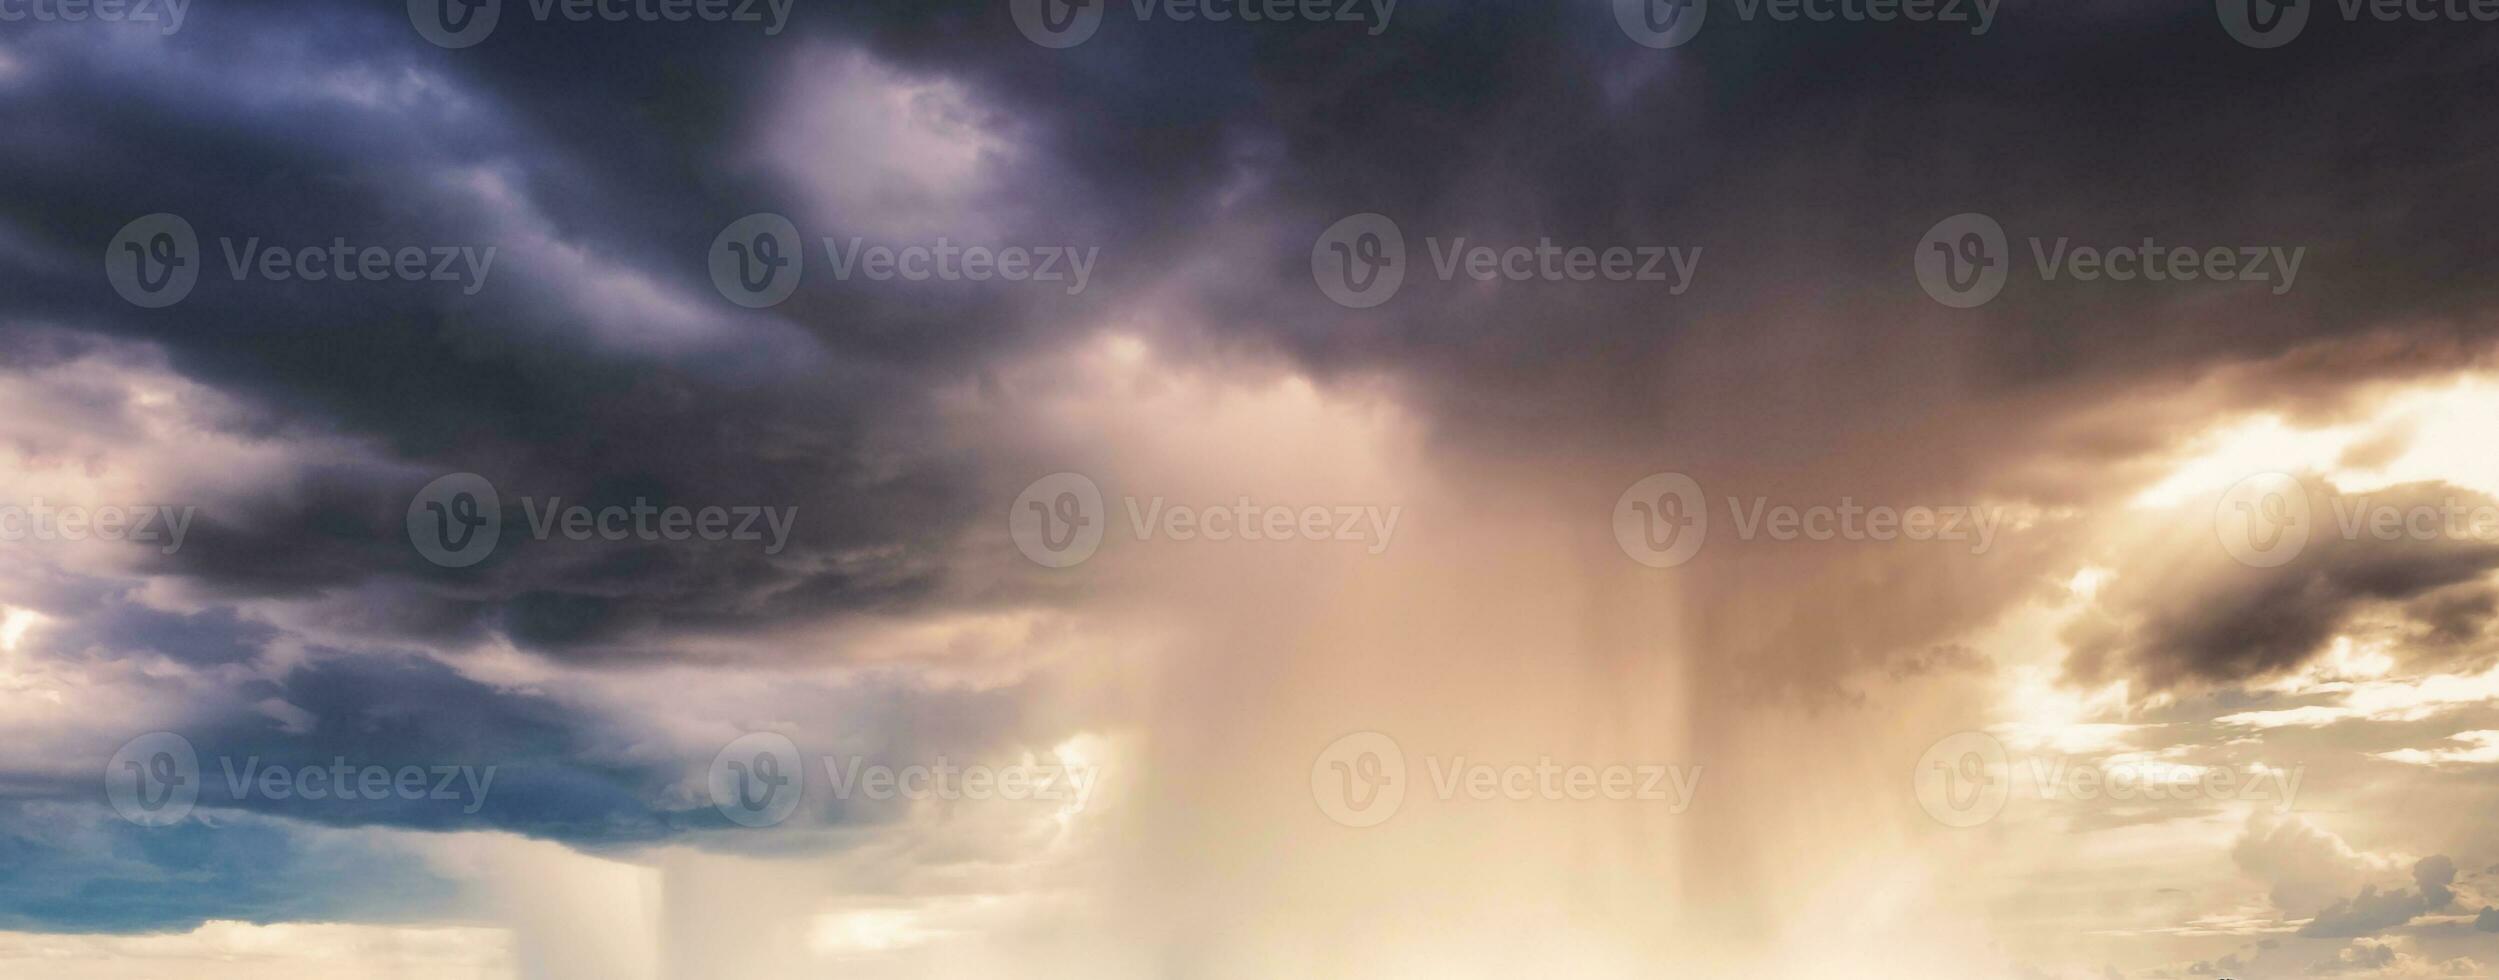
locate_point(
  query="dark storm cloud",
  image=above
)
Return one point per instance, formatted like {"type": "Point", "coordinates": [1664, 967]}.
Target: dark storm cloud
{"type": "Point", "coordinates": [2203, 617]}
{"type": "Point", "coordinates": [524, 762]}
{"type": "Point", "coordinates": [205, 638]}
{"type": "Point", "coordinates": [597, 365]}
{"type": "Point", "coordinates": [558, 773]}
{"type": "Point", "coordinates": [1500, 123]}
{"type": "Point", "coordinates": [305, 126]}
{"type": "Point", "coordinates": [1808, 186]}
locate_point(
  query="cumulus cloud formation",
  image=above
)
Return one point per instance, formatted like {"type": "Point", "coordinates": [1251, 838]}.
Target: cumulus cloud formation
{"type": "Point", "coordinates": [2304, 867]}
{"type": "Point", "coordinates": [2371, 912]}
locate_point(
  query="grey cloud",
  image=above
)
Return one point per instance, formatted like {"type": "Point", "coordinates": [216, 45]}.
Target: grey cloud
{"type": "Point", "coordinates": [2357, 958]}
{"type": "Point", "coordinates": [2372, 912]}
{"type": "Point", "coordinates": [2201, 617]}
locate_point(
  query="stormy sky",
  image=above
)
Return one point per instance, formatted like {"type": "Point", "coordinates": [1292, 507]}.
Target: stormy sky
{"type": "Point", "coordinates": [1233, 488]}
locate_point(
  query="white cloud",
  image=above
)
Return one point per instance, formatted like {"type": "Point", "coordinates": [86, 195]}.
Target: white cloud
{"type": "Point", "coordinates": [222, 950]}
